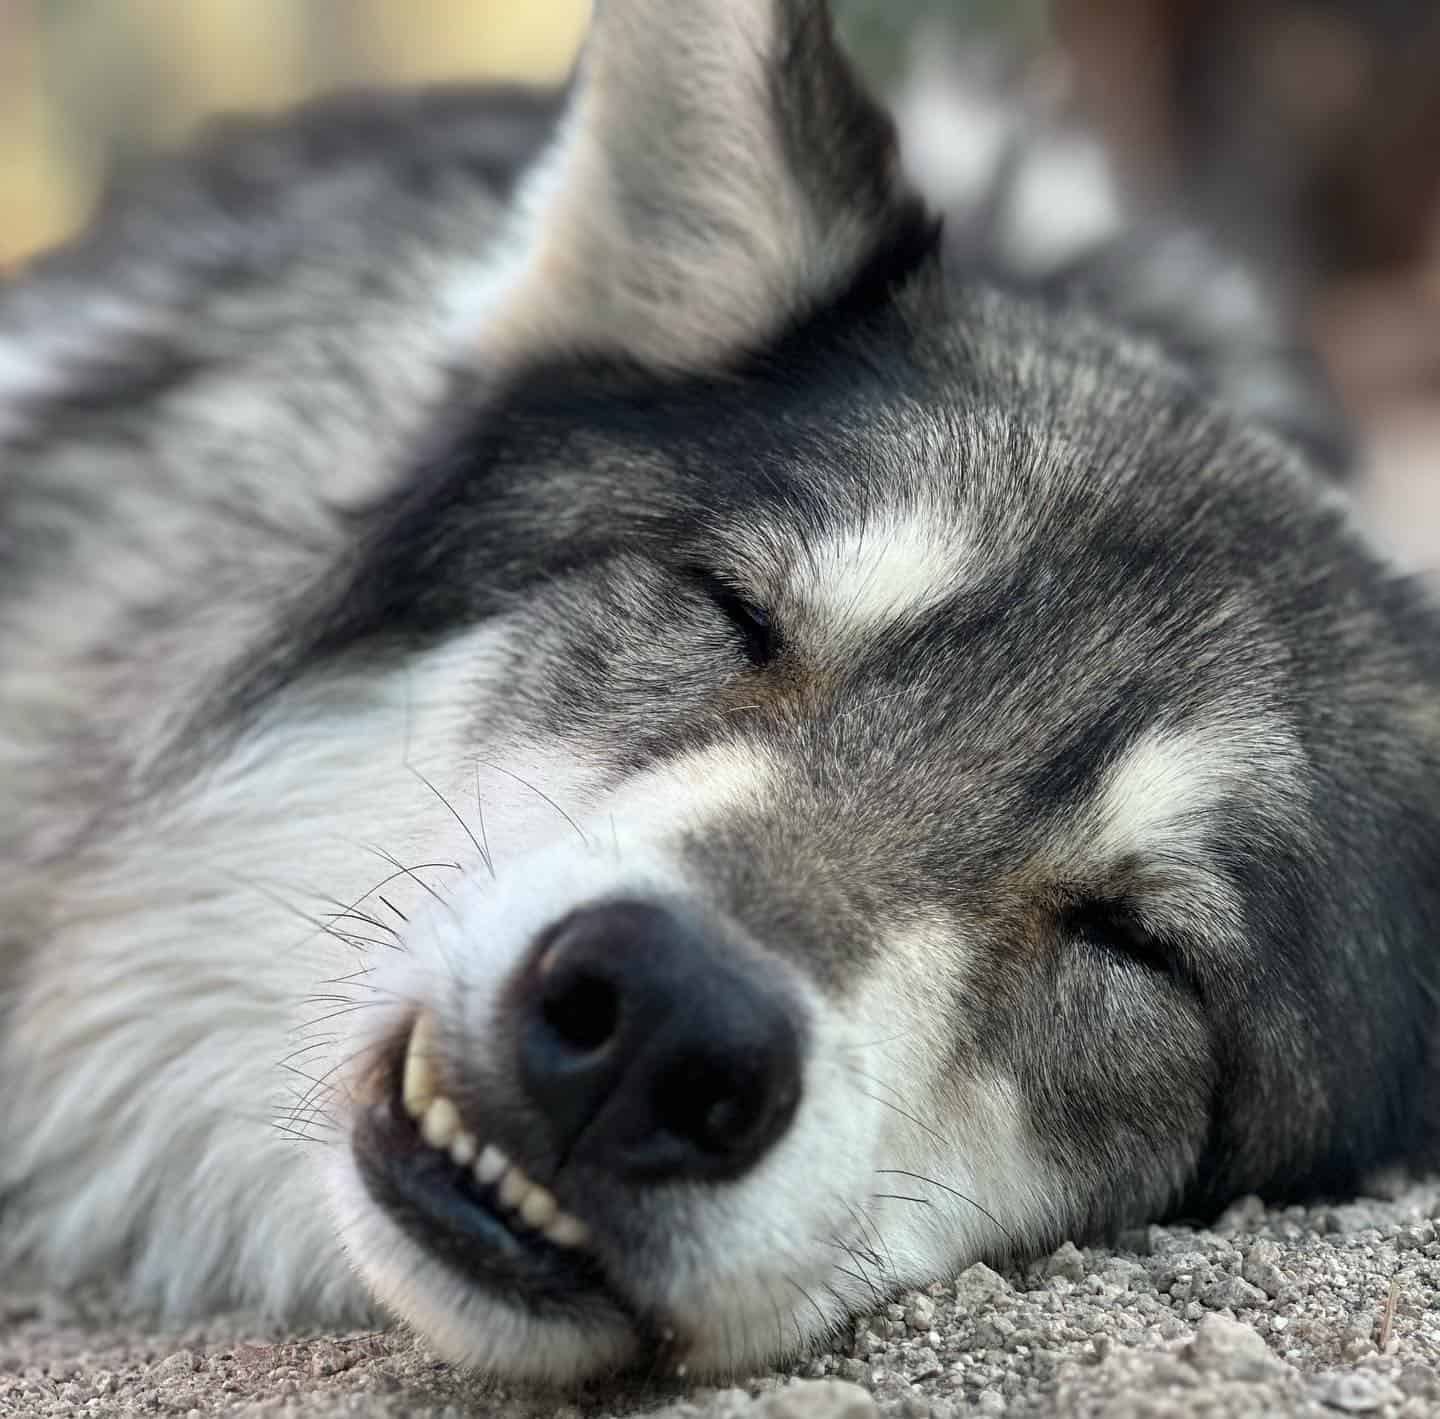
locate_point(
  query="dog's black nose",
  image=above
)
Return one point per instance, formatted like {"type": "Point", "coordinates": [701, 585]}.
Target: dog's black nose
{"type": "Point", "coordinates": [653, 1053]}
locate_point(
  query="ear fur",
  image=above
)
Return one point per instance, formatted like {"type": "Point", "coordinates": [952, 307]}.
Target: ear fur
{"type": "Point", "coordinates": [719, 174]}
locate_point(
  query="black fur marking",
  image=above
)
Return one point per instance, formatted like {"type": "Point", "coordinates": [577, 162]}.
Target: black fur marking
{"type": "Point", "coordinates": [1068, 776]}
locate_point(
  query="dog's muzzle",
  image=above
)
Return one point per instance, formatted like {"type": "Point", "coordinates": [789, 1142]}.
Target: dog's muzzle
{"type": "Point", "coordinates": [636, 1046]}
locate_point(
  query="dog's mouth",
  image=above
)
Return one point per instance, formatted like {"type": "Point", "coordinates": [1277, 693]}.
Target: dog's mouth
{"type": "Point", "coordinates": [463, 1199]}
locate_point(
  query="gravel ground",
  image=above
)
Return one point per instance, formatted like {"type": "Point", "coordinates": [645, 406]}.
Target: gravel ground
{"type": "Point", "coordinates": [1301, 1312]}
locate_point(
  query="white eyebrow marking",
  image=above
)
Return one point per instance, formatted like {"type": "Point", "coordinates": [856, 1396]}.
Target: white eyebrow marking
{"type": "Point", "coordinates": [1170, 779]}
{"type": "Point", "coordinates": [889, 567]}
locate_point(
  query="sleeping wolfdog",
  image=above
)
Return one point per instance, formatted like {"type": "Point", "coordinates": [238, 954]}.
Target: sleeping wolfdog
{"type": "Point", "coordinates": [614, 737]}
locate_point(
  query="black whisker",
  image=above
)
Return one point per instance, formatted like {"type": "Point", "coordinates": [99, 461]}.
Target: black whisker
{"type": "Point", "coordinates": [306, 1049]}
{"type": "Point", "coordinates": [874, 1228]}
{"type": "Point", "coordinates": [871, 1078]}
{"type": "Point", "coordinates": [311, 1099]}
{"type": "Point", "coordinates": [349, 1009]}
{"type": "Point", "coordinates": [317, 923]}
{"type": "Point", "coordinates": [350, 914]}
{"type": "Point", "coordinates": [480, 818]}
{"type": "Point", "coordinates": [402, 872]}
{"type": "Point", "coordinates": [954, 1192]}
{"type": "Point", "coordinates": [413, 873]}
{"type": "Point", "coordinates": [450, 808]}
{"type": "Point", "coordinates": [351, 976]}
{"type": "Point", "coordinates": [297, 1134]}
{"type": "Point", "coordinates": [862, 1276]}
{"type": "Point", "coordinates": [905, 1114]}
{"type": "Point", "coordinates": [814, 1306]}
{"type": "Point", "coordinates": [356, 939]}
{"type": "Point", "coordinates": [540, 794]}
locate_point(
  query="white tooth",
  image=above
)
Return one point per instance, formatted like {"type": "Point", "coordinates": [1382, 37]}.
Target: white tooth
{"type": "Point", "coordinates": [567, 1231]}
{"type": "Point", "coordinates": [513, 1187]}
{"type": "Point", "coordinates": [539, 1207]}
{"type": "Point", "coordinates": [440, 1124]}
{"type": "Point", "coordinates": [417, 1087]}
{"type": "Point", "coordinates": [463, 1148]}
{"type": "Point", "coordinates": [490, 1166]}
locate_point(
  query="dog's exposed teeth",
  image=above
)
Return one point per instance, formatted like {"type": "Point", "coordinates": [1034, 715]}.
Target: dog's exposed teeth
{"type": "Point", "coordinates": [418, 1082]}
{"type": "Point", "coordinates": [539, 1207]}
{"type": "Point", "coordinates": [440, 1128]}
{"type": "Point", "coordinates": [567, 1231]}
{"type": "Point", "coordinates": [490, 1166]}
{"type": "Point", "coordinates": [441, 1124]}
{"type": "Point", "coordinates": [513, 1187]}
{"type": "Point", "coordinates": [535, 1206]}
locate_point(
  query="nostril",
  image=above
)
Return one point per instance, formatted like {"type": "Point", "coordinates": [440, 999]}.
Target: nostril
{"type": "Point", "coordinates": [724, 1108]}
{"type": "Point", "coordinates": [727, 1121]}
{"type": "Point", "coordinates": [582, 1010]}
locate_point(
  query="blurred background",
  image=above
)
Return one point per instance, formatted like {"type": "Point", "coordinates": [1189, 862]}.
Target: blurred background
{"type": "Point", "coordinates": [1307, 130]}
{"type": "Point", "coordinates": [88, 87]}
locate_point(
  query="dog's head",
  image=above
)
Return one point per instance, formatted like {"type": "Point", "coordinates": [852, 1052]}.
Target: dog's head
{"type": "Point", "coordinates": [942, 777]}
{"type": "Point", "coordinates": [902, 775]}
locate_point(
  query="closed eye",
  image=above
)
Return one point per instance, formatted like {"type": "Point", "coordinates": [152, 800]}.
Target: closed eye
{"type": "Point", "coordinates": [751, 622]}
{"type": "Point", "coordinates": [1114, 926]}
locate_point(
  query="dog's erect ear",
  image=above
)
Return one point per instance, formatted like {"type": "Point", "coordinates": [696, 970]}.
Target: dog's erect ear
{"type": "Point", "coordinates": [719, 173]}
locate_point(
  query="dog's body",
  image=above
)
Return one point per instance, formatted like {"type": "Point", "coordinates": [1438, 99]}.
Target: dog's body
{"type": "Point", "coordinates": [645, 764]}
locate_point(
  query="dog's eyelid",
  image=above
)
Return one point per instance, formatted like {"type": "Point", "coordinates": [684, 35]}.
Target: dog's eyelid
{"type": "Point", "coordinates": [752, 618]}
{"type": "Point", "coordinates": [716, 581]}
{"type": "Point", "coordinates": [1116, 924]}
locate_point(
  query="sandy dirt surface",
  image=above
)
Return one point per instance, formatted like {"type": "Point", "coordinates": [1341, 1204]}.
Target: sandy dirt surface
{"type": "Point", "coordinates": [1301, 1312]}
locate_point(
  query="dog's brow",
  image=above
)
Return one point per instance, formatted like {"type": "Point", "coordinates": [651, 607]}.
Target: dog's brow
{"type": "Point", "coordinates": [891, 567]}
{"type": "Point", "coordinates": [1158, 796]}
